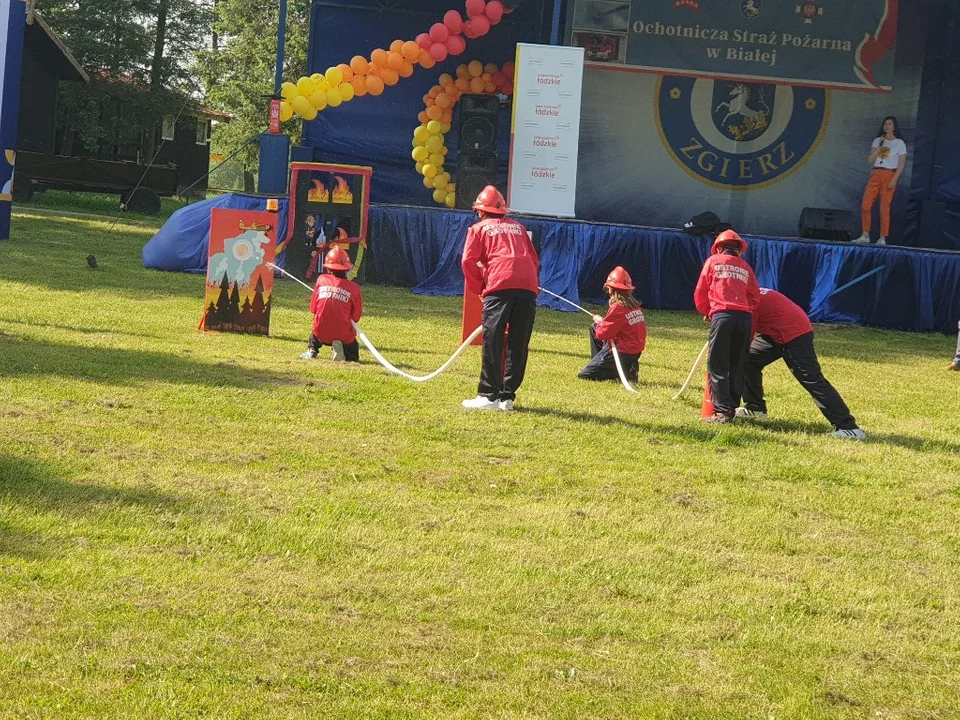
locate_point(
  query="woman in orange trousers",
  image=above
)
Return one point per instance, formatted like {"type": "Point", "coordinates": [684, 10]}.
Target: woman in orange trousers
{"type": "Point", "coordinates": [888, 157]}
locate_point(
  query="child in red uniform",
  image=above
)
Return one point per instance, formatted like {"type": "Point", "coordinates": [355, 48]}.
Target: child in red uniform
{"type": "Point", "coordinates": [727, 293]}
{"type": "Point", "coordinates": [784, 331]}
{"type": "Point", "coordinates": [623, 327]}
{"type": "Point", "coordinates": [336, 304]}
{"type": "Point", "coordinates": [500, 265]}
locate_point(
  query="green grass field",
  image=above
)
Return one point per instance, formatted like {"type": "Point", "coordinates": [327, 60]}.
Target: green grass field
{"type": "Point", "coordinates": [202, 525]}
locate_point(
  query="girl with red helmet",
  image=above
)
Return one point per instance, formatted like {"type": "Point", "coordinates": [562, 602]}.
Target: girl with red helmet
{"type": "Point", "coordinates": [728, 294]}
{"type": "Point", "coordinates": [336, 304]}
{"type": "Point", "coordinates": [501, 265]}
{"type": "Point", "coordinates": [623, 327]}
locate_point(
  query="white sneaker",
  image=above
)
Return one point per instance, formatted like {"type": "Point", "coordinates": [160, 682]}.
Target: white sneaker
{"type": "Point", "coordinates": [881, 240]}
{"type": "Point", "coordinates": [308, 355]}
{"type": "Point", "coordinates": [480, 403]}
{"type": "Point", "coordinates": [337, 352]}
{"type": "Point", "coordinates": [855, 434]}
{"type": "Point", "coordinates": [865, 238]}
{"type": "Point", "coordinates": [742, 412]}
{"type": "Point", "coordinates": [505, 405]}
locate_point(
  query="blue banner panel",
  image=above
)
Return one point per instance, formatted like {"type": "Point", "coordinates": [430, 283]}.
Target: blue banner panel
{"type": "Point", "coordinates": [13, 18]}
{"type": "Point", "coordinates": [841, 44]}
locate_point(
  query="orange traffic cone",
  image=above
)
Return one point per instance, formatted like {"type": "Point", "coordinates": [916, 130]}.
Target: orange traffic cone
{"type": "Point", "coordinates": [706, 409]}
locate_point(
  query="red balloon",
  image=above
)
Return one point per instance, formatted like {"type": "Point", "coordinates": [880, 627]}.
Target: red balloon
{"type": "Point", "coordinates": [456, 44]}
{"type": "Point", "coordinates": [494, 11]}
{"type": "Point", "coordinates": [439, 33]}
{"type": "Point", "coordinates": [453, 21]}
{"type": "Point", "coordinates": [476, 7]}
{"type": "Point", "coordinates": [424, 40]}
{"type": "Point", "coordinates": [439, 52]}
{"type": "Point", "coordinates": [507, 69]}
{"type": "Point", "coordinates": [468, 30]}
{"type": "Point", "coordinates": [481, 26]}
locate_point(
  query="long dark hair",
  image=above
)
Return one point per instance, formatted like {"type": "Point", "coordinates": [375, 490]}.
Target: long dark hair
{"type": "Point", "coordinates": [896, 127]}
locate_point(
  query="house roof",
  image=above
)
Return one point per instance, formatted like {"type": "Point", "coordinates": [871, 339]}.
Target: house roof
{"type": "Point", "coordinates": [74, 70]}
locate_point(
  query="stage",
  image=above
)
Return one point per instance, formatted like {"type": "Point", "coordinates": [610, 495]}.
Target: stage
{"type": "Point", "coordinates": [880, 286]}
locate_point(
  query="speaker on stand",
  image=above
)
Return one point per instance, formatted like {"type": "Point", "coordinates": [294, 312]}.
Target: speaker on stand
{"type": "Point", "coordinates": [476, 146]}
{"type": "Point", "coordinates": [825, 224]}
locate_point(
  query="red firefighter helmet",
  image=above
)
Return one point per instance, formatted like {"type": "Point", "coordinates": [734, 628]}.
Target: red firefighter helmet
{"type": "Point", "coordinates": [337, 259]}
{"type": "Point", "coordinates": [491, 201]}
{"type": "Point", "coordinates": [619, 279]}
{"type": "Point", "coordinates": [728, 238]}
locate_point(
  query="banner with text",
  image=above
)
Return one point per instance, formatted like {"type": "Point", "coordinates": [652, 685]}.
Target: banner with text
{"type": "Point", "coordinates": [545, 130]}
{"type": "Point", "coordinates": [846, 44]}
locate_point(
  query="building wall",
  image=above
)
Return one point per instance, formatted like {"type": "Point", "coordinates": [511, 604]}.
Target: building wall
{"type": "Point", "coordinates": [39, 90]}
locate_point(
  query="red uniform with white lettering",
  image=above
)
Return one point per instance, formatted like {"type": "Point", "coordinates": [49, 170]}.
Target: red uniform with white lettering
{"type": "Point", "coordinates": [780, 318]}
{"type": "Point", "coordinates": [335, 303]}
{"type": "Point", "coordinates": [507, 259]}
{"type": "Point", "coordinates": [627, 328]}
{"type": "Point", "coordinates": [726, 284]}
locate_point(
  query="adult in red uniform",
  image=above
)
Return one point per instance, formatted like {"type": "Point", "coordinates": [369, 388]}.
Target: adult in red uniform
{"type": "Point", "coordinates": [501, 265]}
{"type": "Point", "coordinates": [623, 326]}
{"type": "Point", "coordinates": [727, 293]}
{"type": "Point", "coordinates": [784, 331]}
{"type": "Point", "coordinates": [336, 304]}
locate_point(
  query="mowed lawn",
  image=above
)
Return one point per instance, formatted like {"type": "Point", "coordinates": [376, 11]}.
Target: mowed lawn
{"type": "Point", "coordinates": [203, 525]}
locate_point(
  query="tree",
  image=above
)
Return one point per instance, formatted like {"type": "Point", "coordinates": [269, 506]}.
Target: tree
{"type": "Point", "coordinates": [239, 72]}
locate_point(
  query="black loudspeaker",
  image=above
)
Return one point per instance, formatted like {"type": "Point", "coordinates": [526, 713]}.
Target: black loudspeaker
{"type": "Point", "coordinates": [476, 147]}
{"type": "Point", "coordinates": [478, 124]}
{"type": "Point", "coordinates": [932, 218]}
{"type": "Point", "coordinates": [825, 224]}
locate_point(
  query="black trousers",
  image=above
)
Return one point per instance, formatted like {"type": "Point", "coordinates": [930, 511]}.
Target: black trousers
{"type": "Point", "coordinates": [499, 382]}
{"type": "Point", "coordinates": [801, 358]}
{"type": "Point", "coordinates": [730, 334]}
{"type": "Point", "coordinates": [351, 351]}
{"type": "Point", "coordinates": [602, 366]}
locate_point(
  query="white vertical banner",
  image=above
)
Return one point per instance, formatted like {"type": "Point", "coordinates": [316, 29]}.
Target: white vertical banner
{"type": "Point", "coordinates": [545, 130]}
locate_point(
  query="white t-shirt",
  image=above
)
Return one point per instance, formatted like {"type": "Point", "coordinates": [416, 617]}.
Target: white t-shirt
{"type": "Point", "coordinates": [890, 153]}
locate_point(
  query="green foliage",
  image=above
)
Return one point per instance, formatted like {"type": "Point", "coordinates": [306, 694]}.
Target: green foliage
{"type": "Point", "coordinates": [239, 76]}
{"type": "Point", "coordinates": [201, 525]}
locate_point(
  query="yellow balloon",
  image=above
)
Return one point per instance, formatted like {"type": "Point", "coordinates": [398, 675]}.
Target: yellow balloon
{"type": "Point", "coordinates": [421, 133]}
{"type": "Point", "coordinates": [434, 142]}
{"type": "Point", "coordinates": [420, 168]}
{"type": "Point", "coordinates": [439, 195]}
{"type": "Point", "coordinates": [440, 183]}
{"type": "Point", "coordinates": [427, 181]}
{"type": "Point", "coordinates": [303, 107]}
{"type": "Point", "coordinates": [420, 153]}
{"type": "Point", "coordinates": [305, 86]}
{"type": "Point", "coordinates": [318, 98]}
{"type": "Point", "coordinates": [444, 128]}
{"type": "Point", "coordinates": [334, 76]}
{"type": "Point", "coordinates": [346, 91]}
{"type": "Point", "coordinates": [433, 127]}
{"type": "Point", "coordinates": [334, 98]}
{"type": "Point", "coordinates": [451, 200]}
{"type": "Point", "coordinates": [444, 150]}
{"type": "Point", "coordinates": [286, 111]}
{"type": "Point", "coordinates": [288, 91]}
{"type": "Point", "coordinates": [435, 159]}
{"type": "Point", "coordinates": [446, 179]}
{"type": "Point", "coordinates": [430, 171]}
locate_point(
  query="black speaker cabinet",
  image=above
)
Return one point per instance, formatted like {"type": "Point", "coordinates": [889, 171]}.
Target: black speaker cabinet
{"type": "Point", "coordinates": [474, 172]}
{"type": "Point", "coordinates": [478, 123]}
{"type": "Point", "coordinates": [825, 224]}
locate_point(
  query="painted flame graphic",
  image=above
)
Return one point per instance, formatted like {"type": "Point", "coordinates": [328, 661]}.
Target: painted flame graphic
{"type": "Point", "coordinates": [342, 194]}
{"type": "Point", "coordinates": [318, 193]}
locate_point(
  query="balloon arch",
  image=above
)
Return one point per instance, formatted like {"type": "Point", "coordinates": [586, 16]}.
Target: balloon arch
{"type": "Point", "coordinates": [313, 94]}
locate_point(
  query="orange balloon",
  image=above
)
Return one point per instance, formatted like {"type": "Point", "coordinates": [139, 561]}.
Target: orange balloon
{"type": "Point", "coordinates": [379, 57]}
{"type": "Point", "coordinates": [486, 77]}
{"type": "Point", "coordinates": [463, 72]}
{"type": "Point", "coordinates": [462, 84]}
{"type": "Point", "coordinates": [489, 87]}
{"type": "Point", "coordinates": [435, 90]}
{"type": "Point", "coordinates": [410, 50]}
{"type": "Point", "coordinates": [372, 70]}
{"type": "Point", "coordinates": [452, 91]}
{"type": "Point", "coordinates": [426, 59]}
{"type": "Point", "coordinates": [445, 80]}
{"type": "Point", "coordinates": [359, 84]}
{"type": "Point", "coordinates": [374, 85]}
{"type": "Point", "coordinates": [429, 102]}
{"type": "Point", "coordinates": [390, 76]}
{"type": "Point", "coordinates": [423, 117]}
{"type": "Point", "coordinates": [394, 60]}
{"type": "Point", "coordinates": [475, 68]}
{"type": "Point", "coordinates": [476, 85]}
{"type": "Point", "coordinates": [347, 72]}
{"type": "Point", "coordinates": [406, 70]}
{"type": "Point", "coordinates": [447, 116]}
{"type": "Point", "coordinates": [434, 113]}
{"type": "Point", "coordinates": [490, 68]}
{"type": "Point", "coordinates": [426, 99]}
{"type": "Point", "coordinates": [443, 101]}
{"type": "Point", "coordinates": [396, 46]}
{"type": "Point", "coordinates": [359, 64]}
